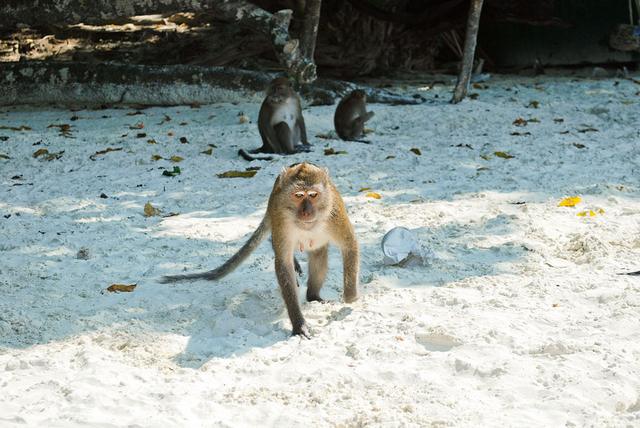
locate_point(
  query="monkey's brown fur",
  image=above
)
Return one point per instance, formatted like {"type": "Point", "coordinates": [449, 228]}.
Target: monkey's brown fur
{"type": "Point", "coordinates": [306, 212]}
{"type": "Point", "coordinates": [351, 115]}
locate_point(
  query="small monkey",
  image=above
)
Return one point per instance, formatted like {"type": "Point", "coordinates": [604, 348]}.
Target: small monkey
{"type": "Point", "coordinates": [280, 121]}
{"type": "Point", "coordinates": [350, 116]}
{"type": "Point", "coordinates": [305, 212]}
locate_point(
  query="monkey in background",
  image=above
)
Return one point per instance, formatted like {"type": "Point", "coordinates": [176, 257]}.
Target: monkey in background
{"type": "Point", "coordinates": [351, 115]}
{"type": "Point", "coordinates": [305, 212]}
{"type": "Point", "coordinates": [280, 121]}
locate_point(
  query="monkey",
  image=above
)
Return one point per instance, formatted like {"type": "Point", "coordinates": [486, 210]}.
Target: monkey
{"type": "Point", "coordinates": [305, 212]}
{"type": "Point", "coordinates": [350, 116]}
{"type": "Point", "coordinates": [280, 121]}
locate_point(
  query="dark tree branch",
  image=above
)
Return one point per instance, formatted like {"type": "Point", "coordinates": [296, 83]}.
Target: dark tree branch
{"type": "Point", "coordinates": [470, 41]}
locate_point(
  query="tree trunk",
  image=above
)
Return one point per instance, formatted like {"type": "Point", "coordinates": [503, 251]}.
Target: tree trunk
{"type": "Point", "coordinates": [310, 28]}
{"type": "Point", "coordinates": [464, 78]}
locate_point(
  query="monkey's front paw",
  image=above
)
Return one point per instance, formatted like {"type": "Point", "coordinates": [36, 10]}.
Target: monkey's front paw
{"type": "Point", "coordinates": [302, 330]}
{"type": "Point", "coordinates": [350, 298]}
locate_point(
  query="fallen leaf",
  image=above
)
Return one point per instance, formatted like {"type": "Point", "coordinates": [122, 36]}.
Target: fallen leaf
{"type": "Point", "coordinates": [16, 128]}
{"type": "Point", "coordinates": [139, 125]}
{"type": "Point", "coordinates": [331, 151]}
{"type": "Point", "coordinates": [152, 141]}
{"type": "Point", "coordinates": [3, 156]}
{"type": "Point", "coordinates": [485, 157]}
{"type": "Point", "coordinates": [118, 288]}
{"type": "Point", "coordinates": [165, 120]}
{"type": "Point", "coordinates": [570, 201]}
{"type": "Point", "coordinates": [237, 174]}
{"type": "Point", "coordinates": [176, 159]}
{"type": "Point", "coordinates": [150, 210]}
{"type": "Point", "coordinates": [390, 157]}
{"type": "Point", "coordinates": [141, 134]}
{"type": "Point", "coordinates": [364, 189]}
{"type": "Point", "coordinates": [105, 151]}
{"type": "Point", "coordinates": [134, 113]}
{"type": "Point", "coordinates": [588, 129]}
{"type": "Point", "coordinates": [156, 157]}
{"type": "Point", "coordinates": [65, 129]}
{"type": "Point", "coordinates": [325, 136]}
{"type": "Point", "coordinates": [520, 122]}
{"type": "Point", "coordinates": [579, 146]}
{"type": "Point", "coordinates": [40, 152]}
{"type": "Point", "coordinates": [4, 138]}
{"type": "Point", "coordinates": [183, 123]}
{"type": "Point", "coordinates": [172, 173]}
{"type": "Point", "coordinates": [503, 155]}
{"type": "Point", "coordinates": [374, 195]}
{"type": "Point", "coordinates": [558, 120]}
{"type": "Point", "coordinates": [474, 95]}
{"type": "Point", "coordinates": [521, 134]}
{"type": "Point", "coordinates": [416, 151]}
{"type": "Point", "coordinates": [242, 118]}
{"type": "Point", "coordinates": [533, 120]}
{"type": "Point", "coordinates": [209, 151]}
{"type": "Point", "coordinates": [183, 140]}
{"type": "Point", "coordinates": [533, 104]}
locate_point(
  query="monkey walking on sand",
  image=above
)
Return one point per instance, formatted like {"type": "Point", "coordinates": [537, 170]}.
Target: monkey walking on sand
{"type": "Point", "coordinates": [351, 115]}
{"type": "Point", "coordinates": [306, 212]}
{"type": "Point", "coordinates": [280, 122]}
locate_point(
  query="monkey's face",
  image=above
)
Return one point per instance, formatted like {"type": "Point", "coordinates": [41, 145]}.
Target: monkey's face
{"type": "Point", "coordinates": [308, 203]}
{"type": "Point", "coordinates": [279, 91]}
{"type": "Point", "coordinates": [359, 94]}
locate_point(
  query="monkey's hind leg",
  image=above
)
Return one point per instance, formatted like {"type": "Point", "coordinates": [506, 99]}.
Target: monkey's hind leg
{"type": "Point", "coordinates": [318, 265]}
{"type": "Point", "coordinates": [285, 138]}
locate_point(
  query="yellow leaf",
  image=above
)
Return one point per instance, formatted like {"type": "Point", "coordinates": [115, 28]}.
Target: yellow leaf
{"type": "Point", "coordinates": [127, 288]}
{"type": "Point", "coordinates": [150, 210]}
{"type": "Point", "coordinates": [374, 195]}
{"type": "Point", "coordinates": [592, 213]}
{"type": "Point", "coordinates": [600, 211]}
{"type": "Point", "coordinates": [237, 174]}
{"type": "Point", "coordinates": [152, 141]}
{"type": "Point", "coordinates": [176, 159]}
{"type": "Point", "coordinates": [364, 189]}
{"type": "Point", "coordinates": [156, 157]}
{"type": "Point", "coordinates": [209, 151]}
{"type": "Point", "coordinates": [503, 155]}
{"type": "Point", "coordinates": [571, 201]}
{"type": "Point", "coordinates": [582, 214]}
{"type": "Point", "coordinates": [40, 152]}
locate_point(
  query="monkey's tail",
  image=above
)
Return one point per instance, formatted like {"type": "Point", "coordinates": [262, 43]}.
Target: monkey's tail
{"type": "Point", "coordinates": [229, 266]}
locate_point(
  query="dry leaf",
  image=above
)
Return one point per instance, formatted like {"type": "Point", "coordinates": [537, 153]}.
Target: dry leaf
{"type": "Point", "coordinates": [237, 174]}
{"type": "Point", "coordinates": [209, 151]}
{"type": "Point", "coordinates": [183, 140]}
{"type": "Point", "coordinates": [16, 128]}
{"type": "Point", "coordinates": [65, 129]}
{"type": "Point", "coordinates": [40, 152]}
{"type": "Point", "coordinates": [152, 141]}
{"type": "Point", "coordinates": [331, 151]}
{"type": "Point", "coordinates": [416, 151]}
{"type": "Point", "coordinates": [503, 155]}
{"type": "Point", "coordinates": [3, 156]}
{"type": "Point", "coordinates": [533, 104]}
{"type": "Point", "coordinates": [156, 157]}
{"type": "Point", "coordinates": [138, 125]}
{"type": "Point", "coordinates": [105, 151]}
{"type": "Point", "coordinates": [141, 134]}
{"type": "Point", "coordinates": [118, 288]}
{"type": "Point", "coordinates": [150, 210]}
{"type": "Point", "coordinates": [243, 118]}
{"type": "Point", "coordinates": [390, 157]}
{"type": "Point", "coordinates": [374, 195]}
{"type": "Point", "coordinates": [571, 201]}
{"type": "Point", "coordinates": [520, 122]}
{"type": "Point", "coordinates": [176, 159]}
{"type": "Point", "coordinates": [364, 189]}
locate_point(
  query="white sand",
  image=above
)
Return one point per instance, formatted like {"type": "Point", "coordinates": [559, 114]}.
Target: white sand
{"type": "Point", "coordinates": [521, 320]}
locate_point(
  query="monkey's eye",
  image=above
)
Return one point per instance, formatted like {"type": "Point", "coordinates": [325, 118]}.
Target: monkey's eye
{"type": "Point", "coordinates": [299, 195]}
{"type": "Point", "coordinates": [313, 194]}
